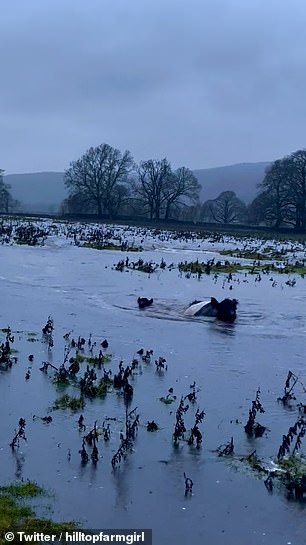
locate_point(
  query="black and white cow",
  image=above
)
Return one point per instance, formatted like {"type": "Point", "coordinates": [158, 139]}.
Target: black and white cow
{"type": "Point", "coordinates": [225, 311]}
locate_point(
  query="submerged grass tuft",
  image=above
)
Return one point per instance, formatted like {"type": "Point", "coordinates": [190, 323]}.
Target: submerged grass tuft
{"type": "Point", "coordinates": [295, 465]}
{"type": "Point", "coordinates": [21, 490]}
{"type": "Point", "coordinates": [167, 400]}
{"type": "Point", "coordinates": [17, 516]}
{"type": "Point", "coordinates": [68, 402]}
{"type": "Point", "coordinates": [92, 360]}
{"type": "Point", "coordinates": [109, 246]}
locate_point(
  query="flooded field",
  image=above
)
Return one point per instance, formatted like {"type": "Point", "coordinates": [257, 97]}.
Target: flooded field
{"type": "Point", "coordinates": [84, 294]}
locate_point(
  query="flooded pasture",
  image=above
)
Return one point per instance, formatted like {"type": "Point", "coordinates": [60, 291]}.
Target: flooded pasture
{"type": "Point", "coordinates": [83, 293]}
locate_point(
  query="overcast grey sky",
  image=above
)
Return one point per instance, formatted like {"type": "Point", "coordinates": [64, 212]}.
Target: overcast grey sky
{"type": "Point", "coordinates": [203, 82]}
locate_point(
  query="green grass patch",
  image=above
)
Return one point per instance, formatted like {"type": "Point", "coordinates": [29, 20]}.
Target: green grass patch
{"type": "Point", "coordinates": [244, 254]}
{"type": "Point", "coordinates": [109, 246]}
{"type": "Point", "coordinates": [167, 400]}
{"type": "Point", "coordinates": [92, 360]}
{"type": "Point", "coordinates": [18, 516]}
{"type": "Point", "coordinates": [21, 490]}
{"type": "Point", "coordinates": [99, 390]}
{"type": "Point", "coordinates": [107, 358]}
{"type": "Point", "coordinates": [288, 269]}
{"type": "Point", "coordinates": [295, 466]}
{"type": "Point", "coordinates": [48, 526]}
{"type": "Point", "coordinates": [68, 402]}
{"type": "Point", "coordinates": [60, 382]}
{"type": "Point", "coordinates": [79, 358]}
{"type": "Point", "coordinates": [196, 267]}
{"type": "Point", "coordinates": [12, 515]}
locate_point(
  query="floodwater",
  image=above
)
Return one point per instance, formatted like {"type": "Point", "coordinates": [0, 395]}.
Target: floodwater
{"type": "Point", "coordinates": [83, 294]}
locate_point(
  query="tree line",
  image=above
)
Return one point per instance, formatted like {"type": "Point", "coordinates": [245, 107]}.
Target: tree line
{"type": "Point", "coordinates": [108, 183]}
{"type": "Point", "coordinates": [105, 181]}
{"type": "Point", "coordinates": [7, 203]}
{"type": "Point", "coordinates": [282, 197]}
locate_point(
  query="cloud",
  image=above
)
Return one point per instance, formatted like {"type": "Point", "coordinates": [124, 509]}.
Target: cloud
{"type": "Point", "coordinates": [205, 83]}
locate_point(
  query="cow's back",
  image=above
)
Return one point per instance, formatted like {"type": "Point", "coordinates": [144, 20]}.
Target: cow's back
{"type": "Point", "coordinates": [203, 308]}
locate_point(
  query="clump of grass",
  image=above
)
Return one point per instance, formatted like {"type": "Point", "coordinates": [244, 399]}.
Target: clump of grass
{"type": "Point", "coordinates": [92, 360]}
{"type": "Point", "coordinates": [48, 526]}
{"type": "Point", "coordinates": [294, 465]}
{"type": "Point", "coordinates": [199, 268]}
{"type": "Point", "coordinates": [22, 517]}
{"type": "Point", "coordinates": [61, 382]}
{"type": "Point", "coordinates": [109, 246]}
{"type": "Point", "coordinates": [254, 462]}
{"type": "Point", "coordinates": [168, 399]}
{"type": "Point", "coordinates": [79, 358]}
{"type": "Point", "coordinates": [99, 390]}
{"type": "Point", "coordinates": [68, 402]}
{"type": "Point", "coordinates": [244, 254]}
{"type": "Point", "coordinates": [271, 267]}
{"type": "Point", "coordinates": [12, 515]}
{"type": "Point", "coordinates": [21, 490]}
{"type": "Point", "coordinates": [293, 476]}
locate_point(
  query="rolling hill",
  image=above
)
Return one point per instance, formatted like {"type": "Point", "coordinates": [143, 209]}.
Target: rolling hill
{"type": "Point", "coordinates": [39, 191]}
{"type": "Point", "coordinates": [242, 178]}
{"type": "Point", "coordinates": [44, 191]}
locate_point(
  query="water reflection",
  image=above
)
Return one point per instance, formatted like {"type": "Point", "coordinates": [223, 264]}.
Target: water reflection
{"type": "Point", "coordinates": [121, 485]}
{"type": "Point", "coordinates": [19, 459]}
{"type": "Point", "coordinates": [224, 328]}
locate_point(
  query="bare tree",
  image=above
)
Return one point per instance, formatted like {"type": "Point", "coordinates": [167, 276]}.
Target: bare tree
{"type": "Point", "coordinates": [297, 173]}
{"type": "Point", "coordinates": [261, 210]}
{"type": "Point", "coordinates": [191, 213]}
{"type": "Point", "coordinates": [276, 200]}
{"type": "Point", "coordinates": [284, 191]}
{"type": "Point", "coordinates": [226, 208]}
{"type": "Point", "coordinates": [118, 198]}
{"type": "Point", "coordinates": [182, 188]}
{"type": "Point", "coordinates": [77, 203]}
{"type": "Point", "coordinates": [153, 178]}
{"type": "Point", "coordinates": [160, 190]}
{"type": "Point", "coordinates": [97, 176]}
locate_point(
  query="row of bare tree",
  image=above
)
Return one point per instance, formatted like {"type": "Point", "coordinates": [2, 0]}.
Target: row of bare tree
{"type": "Point", "coordinates": [282, 197]}
{"type": "Point", "coordinates": [107, 182]}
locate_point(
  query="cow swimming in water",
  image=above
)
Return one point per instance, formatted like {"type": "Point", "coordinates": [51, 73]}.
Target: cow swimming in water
{"type": "Point", "coordinates": [224, 311]}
